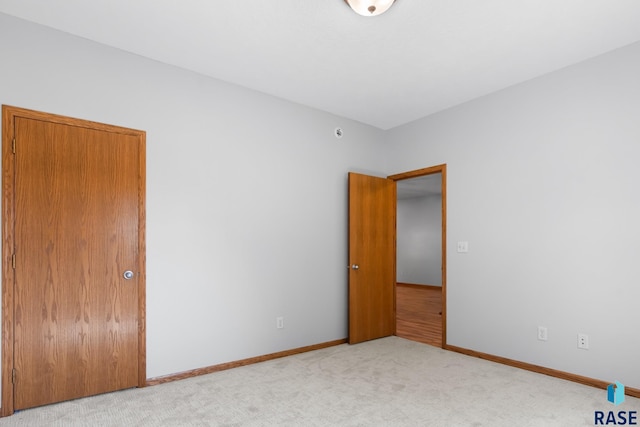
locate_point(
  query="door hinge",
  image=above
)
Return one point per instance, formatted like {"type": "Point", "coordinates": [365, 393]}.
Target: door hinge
{"type": "Point", "coordinates": [13, 261]}
{"type": "Point", "coordinates": [13, 146]}
{"type": "Point", "coordinates": [13, 375]}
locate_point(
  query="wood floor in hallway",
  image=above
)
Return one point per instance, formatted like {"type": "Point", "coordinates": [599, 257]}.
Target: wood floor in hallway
{"type": "Point", "coordinates": [419, 313]}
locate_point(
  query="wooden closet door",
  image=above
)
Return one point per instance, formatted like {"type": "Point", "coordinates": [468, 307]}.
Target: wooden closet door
{"type": "Point", "coordinates": [76, 233]}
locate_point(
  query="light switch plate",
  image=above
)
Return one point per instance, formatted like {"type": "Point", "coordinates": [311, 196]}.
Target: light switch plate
{"type": "Point", "coordinates": [463, 247]}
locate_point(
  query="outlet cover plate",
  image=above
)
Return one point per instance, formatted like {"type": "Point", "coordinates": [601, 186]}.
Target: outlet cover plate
{"type": "Point", "coordinates": [542, 333]}
{"type": "Point", "coordinates": [583, 341]}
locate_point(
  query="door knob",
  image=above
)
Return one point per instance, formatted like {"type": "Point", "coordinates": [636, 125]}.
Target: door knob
{"type": "Point", "coordinates": [355, 266]}
{"type": "Point", "coordinates": [128, 275]}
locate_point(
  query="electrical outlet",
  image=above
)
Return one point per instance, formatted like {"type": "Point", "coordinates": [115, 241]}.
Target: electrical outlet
{"type": "Point", "coordinates": [463, 247]}
{"type": "Point", "coordinates": [542, 333]}
{"type": "Point", "coordinates": [583, 341]}
{"type": "Point", "coordinates": [280, 322]}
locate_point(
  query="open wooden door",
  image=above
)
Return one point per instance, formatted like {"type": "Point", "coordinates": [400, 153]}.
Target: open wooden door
{"type": "Point", "coordinates": [372, 221]}
{"type": "Point", "coordinates": [73, 290]}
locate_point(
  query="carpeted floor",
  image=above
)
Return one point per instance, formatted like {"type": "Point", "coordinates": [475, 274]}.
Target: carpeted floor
{"type": "Point", "coordinates": [386, 382]}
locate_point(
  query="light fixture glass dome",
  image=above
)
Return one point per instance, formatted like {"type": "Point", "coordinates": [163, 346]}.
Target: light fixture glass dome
{"type": "Point", "coordinates": [369, 7]}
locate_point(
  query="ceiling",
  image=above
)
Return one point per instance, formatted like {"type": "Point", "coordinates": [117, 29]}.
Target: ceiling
{"type": "Point", "coordinates": [421, 57]}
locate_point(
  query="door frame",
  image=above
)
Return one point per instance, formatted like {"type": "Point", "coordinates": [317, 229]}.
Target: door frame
{"type": "Point", "coordinates": [442, 169]}
{"type": "Point", "coordinates": [9, 114]}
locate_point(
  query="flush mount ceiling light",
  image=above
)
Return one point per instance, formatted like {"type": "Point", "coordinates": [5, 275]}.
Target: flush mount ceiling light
{"type": "Point", "coordinates": [369, 7]}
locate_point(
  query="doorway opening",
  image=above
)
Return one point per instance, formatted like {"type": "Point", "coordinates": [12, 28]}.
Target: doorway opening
{"type": "Point", "coordinates": [420, 291]}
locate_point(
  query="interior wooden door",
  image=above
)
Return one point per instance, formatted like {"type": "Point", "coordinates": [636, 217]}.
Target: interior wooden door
{"type": "Point", "coordinates": [372, 220]}
{"type": "Point", "coordinates": [77, 261]}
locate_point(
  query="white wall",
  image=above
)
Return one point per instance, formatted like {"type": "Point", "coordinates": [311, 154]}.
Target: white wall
{"type": "Point", "coordinates": [543, 181]}
{"type": "Point", "coordinates": [246, 195]}
{"type": "Point", "coordinates": [419, 240]}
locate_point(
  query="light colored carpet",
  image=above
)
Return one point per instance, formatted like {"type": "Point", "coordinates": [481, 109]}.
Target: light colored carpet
{"type": "Point", "coordinates": [386, 382]}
